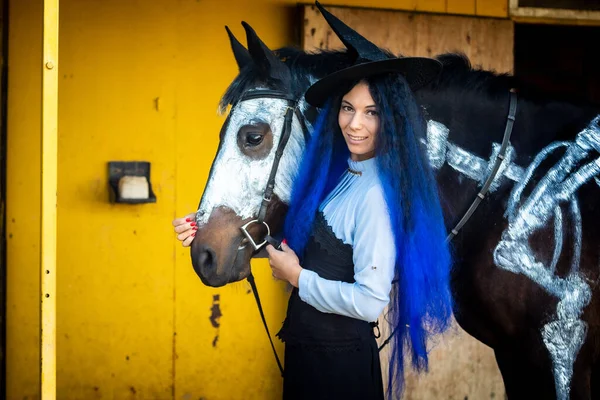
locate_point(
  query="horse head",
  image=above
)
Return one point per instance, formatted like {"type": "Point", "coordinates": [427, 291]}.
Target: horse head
{"type": "Point", "coordinates": [266, 126]}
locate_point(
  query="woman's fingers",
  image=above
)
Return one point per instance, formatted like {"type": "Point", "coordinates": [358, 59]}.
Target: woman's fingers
{"type": "Point", "coordinates": [186, 237]}
{"type": "Point", "coordinates": [184, 220]}
{"type": "Point", "coordinates": [188, 241]}
{"type": "Point", "coordinates": [270, 250]}
{"type": "Point", "coordinates": [186, 234]}
{"type": "Point", "coordinates": [186, 226]}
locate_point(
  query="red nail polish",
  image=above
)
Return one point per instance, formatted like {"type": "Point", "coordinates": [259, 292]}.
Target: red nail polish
{"type": "Point", "coordinates": [192, 224]}
{"type": "Point", "coordinates": [188, 220]}
{"type": "Point", "coordinates": [284, 241]}
{"type": "Point", "coordinates": [195, 228]}
{"type": "Point", "coordinates": [193, 234]}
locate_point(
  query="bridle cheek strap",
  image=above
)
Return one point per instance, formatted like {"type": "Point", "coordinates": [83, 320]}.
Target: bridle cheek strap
{"type": "Point", "coordinates": [291, 109]}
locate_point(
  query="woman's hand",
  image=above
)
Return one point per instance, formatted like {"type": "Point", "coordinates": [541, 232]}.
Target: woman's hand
{"type": "Point", "coordinates": [285, 263]}
{"type": "Point", "coordinates": [186, 229]}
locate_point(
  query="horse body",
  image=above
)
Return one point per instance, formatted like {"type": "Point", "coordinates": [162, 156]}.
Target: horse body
{"type": "Point", "coordinates": [514, 305]}
{"type": "Point", "coordinates": [527, 263]}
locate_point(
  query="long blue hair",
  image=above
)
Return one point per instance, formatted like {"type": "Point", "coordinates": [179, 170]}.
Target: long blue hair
{"type": "Point", "coordinates": [421, 303]}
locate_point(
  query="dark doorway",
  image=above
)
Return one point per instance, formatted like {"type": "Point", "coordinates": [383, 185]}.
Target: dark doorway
{"type": "Point", "coordinates": [560, 59]}
{"type": "Point", "coordinates": [590, 5]}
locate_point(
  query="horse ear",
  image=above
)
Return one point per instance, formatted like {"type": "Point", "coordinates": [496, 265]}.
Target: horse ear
{"type": "Point", "coordinates": [241, 54]}
{"type": "Point", "coordinates": [262, 56]}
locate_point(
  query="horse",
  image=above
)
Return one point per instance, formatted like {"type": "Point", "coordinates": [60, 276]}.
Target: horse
{"type": "Point", "coordinates": [526, 273]}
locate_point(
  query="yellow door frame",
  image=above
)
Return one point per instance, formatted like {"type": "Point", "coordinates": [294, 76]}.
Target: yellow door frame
{"type": "Point", "coordinates": [49, 166]}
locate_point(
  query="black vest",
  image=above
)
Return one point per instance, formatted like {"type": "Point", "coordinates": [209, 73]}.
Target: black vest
{"type": "Point", "coordinates": [304, 325]}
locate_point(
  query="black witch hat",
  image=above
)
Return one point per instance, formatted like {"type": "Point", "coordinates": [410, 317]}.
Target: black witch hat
{"type": "Point", "coordinates": [368, 60]}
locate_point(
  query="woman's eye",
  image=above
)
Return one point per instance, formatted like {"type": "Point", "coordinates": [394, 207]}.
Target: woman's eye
{"type": "Point", "coordinates": [347, 108]}
{"type": "Point", "coordinates": [254, 139]}
{"type": "Point", "coordinates": [373, 113]}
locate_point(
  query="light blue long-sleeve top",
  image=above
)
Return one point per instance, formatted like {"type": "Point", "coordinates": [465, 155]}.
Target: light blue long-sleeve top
{"type": "Point", "coordinates": [358, 215]}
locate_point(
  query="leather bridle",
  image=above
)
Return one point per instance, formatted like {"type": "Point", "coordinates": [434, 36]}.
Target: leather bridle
{"type": "Point", "coordinates": [291, 109]}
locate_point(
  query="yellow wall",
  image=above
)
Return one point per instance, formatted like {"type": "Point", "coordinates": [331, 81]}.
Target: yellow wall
{"type": "Point", "coordinates": [133, 318]}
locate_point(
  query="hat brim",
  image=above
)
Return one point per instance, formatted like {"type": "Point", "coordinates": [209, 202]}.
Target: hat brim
{"type": "Point", "coordinates": [418, 71]}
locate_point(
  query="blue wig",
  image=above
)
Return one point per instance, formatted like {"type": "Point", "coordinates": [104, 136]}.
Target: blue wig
{"type": "Point", "coordinates": [323, 163]}
{"type": "Point", "coordinates": [421, 303]}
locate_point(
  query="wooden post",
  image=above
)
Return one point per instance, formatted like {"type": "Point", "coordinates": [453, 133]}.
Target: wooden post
{"type": "Point", "coordinates": [49, 200]}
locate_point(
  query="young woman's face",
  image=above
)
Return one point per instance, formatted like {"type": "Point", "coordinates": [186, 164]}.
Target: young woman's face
{"type": "Point", "coordinates": [359, 122]}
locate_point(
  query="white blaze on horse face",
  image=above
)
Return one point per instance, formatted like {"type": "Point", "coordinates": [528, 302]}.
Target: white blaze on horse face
{"type": "Point", "coordinates": [237, 182]}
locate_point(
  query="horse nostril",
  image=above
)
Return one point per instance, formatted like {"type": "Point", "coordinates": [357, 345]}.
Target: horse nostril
{"type": "Point", "coordinates": [206, 258]}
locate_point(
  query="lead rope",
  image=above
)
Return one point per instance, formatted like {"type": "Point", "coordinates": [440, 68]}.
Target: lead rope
{"type": "Point", "coordinates": [262, 316]}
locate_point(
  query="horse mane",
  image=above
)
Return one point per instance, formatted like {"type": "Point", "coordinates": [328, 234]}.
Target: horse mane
{"type": "Point", "coordinates": [458, 72]}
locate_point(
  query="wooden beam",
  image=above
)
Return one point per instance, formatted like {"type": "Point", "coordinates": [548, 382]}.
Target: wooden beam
{"type": "Point", "coordinates": [49, 200]}
{"type": "Point", "coordinates": [552, 15]}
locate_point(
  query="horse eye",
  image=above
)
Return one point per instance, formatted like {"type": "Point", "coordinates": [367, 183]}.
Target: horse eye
{"type": "Point", "coordinates": [254, 139]}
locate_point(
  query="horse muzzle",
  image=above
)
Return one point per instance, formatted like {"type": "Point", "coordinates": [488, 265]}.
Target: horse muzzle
{"type": "Point", "coordinates": [220, 252]}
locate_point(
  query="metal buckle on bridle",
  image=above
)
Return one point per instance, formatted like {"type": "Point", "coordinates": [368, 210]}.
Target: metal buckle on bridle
{"type": "Point", "coordinates": [245, 232]}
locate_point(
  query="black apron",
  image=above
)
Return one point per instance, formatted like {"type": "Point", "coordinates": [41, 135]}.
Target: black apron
{"type": "Point", "coordinates": [328, 356]}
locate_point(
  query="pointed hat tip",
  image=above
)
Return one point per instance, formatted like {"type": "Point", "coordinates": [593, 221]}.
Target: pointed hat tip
{"type": "Point", "coordinates": [322, 9]}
